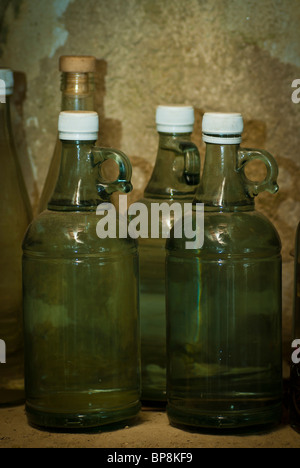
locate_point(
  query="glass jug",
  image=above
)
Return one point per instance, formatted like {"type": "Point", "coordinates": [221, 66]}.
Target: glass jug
{"type": "Point", "coordinates": [77, 87]}
{"type": "Point", "coordinates": [295, 365]}
{"type": "Point", "coordinates": [224, 298]}
{"type": "Point", "coordinates": [82, 352]}
{"type": "Point", "coordinates": [173, 181]}
{"type": "Point", "coordinates": [15, 217]}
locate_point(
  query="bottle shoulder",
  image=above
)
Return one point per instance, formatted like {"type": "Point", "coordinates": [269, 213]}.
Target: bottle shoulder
{"type": "Point", "coordinates": [55, 233]}
{"type": "Point", "coordinates": [241, 232]}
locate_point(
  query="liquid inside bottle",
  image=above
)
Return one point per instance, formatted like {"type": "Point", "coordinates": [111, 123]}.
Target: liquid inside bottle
{"type": "Point", "coordinates": [173, 182]}
{"type": "Point", "coordinates": [224, 298]}
{"type": "Point", "coordinates": [295, 365]}
{"type": "Point", "coordinates": [15, 218]}
{"type": "Point", "coordinates": [82, 361]}
{"type": "Point", "coordinates": [77, 88]}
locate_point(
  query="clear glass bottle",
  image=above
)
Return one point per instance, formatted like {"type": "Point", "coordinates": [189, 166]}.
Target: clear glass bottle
{"type": "Point", "coordinates": [295, 364]}
{"type": "Point", "coordinates": [14, 220]}
{"type": "Point", "coordinates": [174, 180]}
{"type": "Point", "coordinates": [77, 87]}
{"type": "Point", "coordinates": [82, 359]}
{"type": "Point", "coordinates": [224, 299]}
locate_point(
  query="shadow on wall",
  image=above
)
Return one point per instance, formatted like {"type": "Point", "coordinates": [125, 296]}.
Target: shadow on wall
{"type": "Point", "coordinates": [110, 135]}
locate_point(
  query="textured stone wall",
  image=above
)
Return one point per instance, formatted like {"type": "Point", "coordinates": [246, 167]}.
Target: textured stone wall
{"type": "Point", "coordinates": [218, 55]}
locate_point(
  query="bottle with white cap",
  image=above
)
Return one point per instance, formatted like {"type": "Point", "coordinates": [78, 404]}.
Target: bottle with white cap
{"type": "Point", "coordinates": [82, 362]}
{"type": "Point", "coordinates": [15, 218]}
{"type": "Point", "coordinates": [295, 361]}
{"type": "Point", "coordinates": [77, 94]}
{"type": "Point", "coordinates": [224, 298]}
{"type": "Point", "coordinates": [174, 180]}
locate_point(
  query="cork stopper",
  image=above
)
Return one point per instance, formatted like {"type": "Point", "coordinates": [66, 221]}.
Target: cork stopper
{"type": "Point", "coordinates": [77, 64]}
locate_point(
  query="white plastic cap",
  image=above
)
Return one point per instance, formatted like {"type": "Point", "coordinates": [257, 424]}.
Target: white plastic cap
{"type": "Point", "coordinates": [78, 125]}
{"type": "Point", "coordinates": [175, 119]}
{"type": "Point", "coordinates": [6, 82]}
{"type": "Point", "coordinates": [222, 128]}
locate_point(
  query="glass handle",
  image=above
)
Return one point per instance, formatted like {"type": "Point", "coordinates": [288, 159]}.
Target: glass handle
{"type": "Point", "coordinates": [192, 162]}
{"type": "Point", "coordinates": [269, 184]}
{"type": "Point", "coordinates": [123, 182]}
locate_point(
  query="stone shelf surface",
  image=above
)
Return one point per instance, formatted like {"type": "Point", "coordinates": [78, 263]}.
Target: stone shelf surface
{"type": "Point", "coordinates": [151, 430]}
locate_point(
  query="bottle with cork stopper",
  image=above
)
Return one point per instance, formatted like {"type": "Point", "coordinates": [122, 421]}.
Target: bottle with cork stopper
{"type": "Point", "coordinates": [77, 87]}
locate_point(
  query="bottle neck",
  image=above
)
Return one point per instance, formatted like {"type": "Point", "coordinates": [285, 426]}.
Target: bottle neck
{"type": "Point", "coordinates": [8, 151]}
{"type": "Point", "coordinates": [5, 121]}
{"type": "Point", "coordinates": [222, 187]}
{"type": "Point", "coordinates": [77, 91]}
{"type": "Point", "coordinates": [76, 188]}
{"type": "Point", "coordinates": [168, 179]}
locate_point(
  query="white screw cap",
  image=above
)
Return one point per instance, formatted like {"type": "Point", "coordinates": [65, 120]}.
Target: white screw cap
{"type": "Point", "coordinates": [78, 125]}
{"type": "Point", "coordinates": [175, 119]}
{"type": "Point", "coordinates": [222, 128]}
{"type": "Point", "coordinates": [6, 82]}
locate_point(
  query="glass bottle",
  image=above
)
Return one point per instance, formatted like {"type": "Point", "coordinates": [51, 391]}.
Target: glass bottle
{"type": "Point", "coordinates": [295, 365]}
{"type": "Point", "coordinates": [174, 180]}
{"type": "Point", "coordinates": [77, 87]}
{"type": "Point", "coordinates": [224, 298]}
{"type": "Point", "coordinates": [82, 361]}
{"type": "Point", "coordinates": [14, 220]}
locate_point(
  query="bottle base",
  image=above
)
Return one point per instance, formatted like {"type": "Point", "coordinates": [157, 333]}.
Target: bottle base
{"type": "Point", "coordinates": [154, 404]}
{"type": "Point", "coordinates": [154, 399]}
{"type": "Point", "coordinates": [79, 422]}
{"type": "Point", "coordinates": [252, 421]}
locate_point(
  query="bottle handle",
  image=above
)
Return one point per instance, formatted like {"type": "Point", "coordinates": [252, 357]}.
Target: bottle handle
{"type": "Point", "coordinates": [192, 162]}
{"type": "Point", "coordinates": [123, 182]}
{"type": "Point", "coordinates": [269, 184]}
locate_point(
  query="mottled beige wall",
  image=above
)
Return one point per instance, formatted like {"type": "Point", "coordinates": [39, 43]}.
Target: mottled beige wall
{"type": "Point", "coordinates": [219, 55]}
